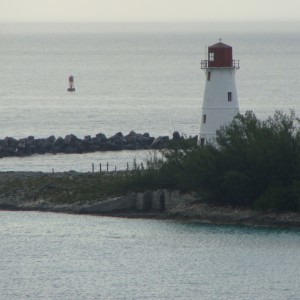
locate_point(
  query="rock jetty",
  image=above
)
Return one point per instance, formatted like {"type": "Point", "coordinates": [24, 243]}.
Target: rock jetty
{"type": "Point", "coordinates": [30, 145]}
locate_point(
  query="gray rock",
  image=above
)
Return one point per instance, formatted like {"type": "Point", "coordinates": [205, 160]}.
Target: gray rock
{"type": "Point", "coordinates": [114, 204]}
{"type": "Point", "coordinates": [102, 137]}
{"type": "Point", "coordinates": [160, 142]}
{"type": "Point", "coordinates": [58, 142]}
{"type": "Point", "coordinates": [117, 139]}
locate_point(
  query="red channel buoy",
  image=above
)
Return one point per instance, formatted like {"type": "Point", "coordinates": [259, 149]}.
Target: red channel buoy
{"type": "Point", "coordinates": [71, 87]}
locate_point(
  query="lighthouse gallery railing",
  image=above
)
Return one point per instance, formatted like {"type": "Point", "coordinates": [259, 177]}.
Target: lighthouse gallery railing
{"type": "Point", "coordinates": [235, 64]}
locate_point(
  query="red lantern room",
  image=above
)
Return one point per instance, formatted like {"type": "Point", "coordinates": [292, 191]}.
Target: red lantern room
{"type": "Point", "coordinates": [220, 56]}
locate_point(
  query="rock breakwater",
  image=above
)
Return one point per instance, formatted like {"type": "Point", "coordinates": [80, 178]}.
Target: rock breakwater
{"type": "Point", "coordinates": [30, 145]}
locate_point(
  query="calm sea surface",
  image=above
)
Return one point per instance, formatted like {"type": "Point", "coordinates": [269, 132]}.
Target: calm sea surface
{"type": "Point", "coordinates": [58, 256]}
{"type": "Point", "coordinates": [141, 78]}
{"type": "Point", "coordinates": [146, 79]}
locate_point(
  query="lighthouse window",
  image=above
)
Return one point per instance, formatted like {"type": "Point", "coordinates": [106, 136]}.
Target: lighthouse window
{"type": "Point", "coordinates": [204, 119]}
{"type": "Point", "coordinates": [211, 56]}
{"type": "Point", "coordinates": [229, 96]}
{"type": "Point", "coordinates": [208, 76]}
{"type": "Point", "coordinates": [202, 141]}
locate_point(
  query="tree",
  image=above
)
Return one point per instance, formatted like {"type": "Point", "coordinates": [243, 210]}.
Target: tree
{"type": "Point", "coordinates": [255, 163]}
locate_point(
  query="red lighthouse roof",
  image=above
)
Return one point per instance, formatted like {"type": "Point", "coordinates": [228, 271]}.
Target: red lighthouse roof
{"type": "Point", "coordinates": [220, 45]}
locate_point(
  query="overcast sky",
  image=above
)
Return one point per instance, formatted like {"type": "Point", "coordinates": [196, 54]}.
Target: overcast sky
{"type": "Point", "coordinates": [148, 10]}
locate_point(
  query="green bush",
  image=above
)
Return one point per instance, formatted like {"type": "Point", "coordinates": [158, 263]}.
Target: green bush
{"type": "Point", "coordinates": [236, 188]}
{"type": "Point", "coordinates": [254, 163]}
{"type": "Point", "coordinates": [278, 199]}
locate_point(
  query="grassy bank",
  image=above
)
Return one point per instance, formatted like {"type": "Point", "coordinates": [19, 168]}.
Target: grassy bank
{"type": "Point", "coordinates": [68, 187]}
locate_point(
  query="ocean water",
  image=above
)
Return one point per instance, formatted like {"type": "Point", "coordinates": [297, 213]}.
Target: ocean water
{"type": "Point", "coordinates": [134, 77]}
{"type": "Point", "coordinates": [145, 78]}
{"type": "Point", "coordinates": [58, 256]}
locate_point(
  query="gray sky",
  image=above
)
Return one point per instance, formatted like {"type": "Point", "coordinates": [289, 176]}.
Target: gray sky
{"type": "Point", "coordinates": [148, 10]}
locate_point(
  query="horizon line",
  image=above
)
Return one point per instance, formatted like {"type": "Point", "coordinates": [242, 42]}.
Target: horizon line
{"type": "Point", "coordinates": [145, 22]}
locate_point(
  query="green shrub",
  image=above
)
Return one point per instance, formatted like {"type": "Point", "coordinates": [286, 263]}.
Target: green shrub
{"type": "Point", "coordinates": [255, 163]}
{"type": "Point", "coordinates": [236, 188]}
{"type": "Point", "coordinates": [278, 199]}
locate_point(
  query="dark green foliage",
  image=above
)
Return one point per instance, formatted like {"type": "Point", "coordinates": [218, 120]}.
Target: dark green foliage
{"type": "Point", "coordinates": [266, 150]}
{"type": "Point", "coordinates": [255, 163]}
{"type": "Point", "coordinates": [279, 198]}
{"type": "Point", "coordinates": [235, 188]}
{"type": "Point", "coordinates": [267, 154]}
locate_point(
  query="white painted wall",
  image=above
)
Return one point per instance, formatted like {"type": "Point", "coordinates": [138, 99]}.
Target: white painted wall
{"type": "Point", "coordinates": [218, 110]}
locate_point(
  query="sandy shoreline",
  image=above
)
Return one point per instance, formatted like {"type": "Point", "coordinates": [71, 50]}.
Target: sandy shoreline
{"type": "Point", "coordinates": [17, 198]}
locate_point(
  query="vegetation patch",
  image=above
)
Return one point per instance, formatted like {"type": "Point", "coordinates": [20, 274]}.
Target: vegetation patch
{"type": "Point", "coordinates": [67, 187]}
{"type": "Point", "coordinates": [253, 163]}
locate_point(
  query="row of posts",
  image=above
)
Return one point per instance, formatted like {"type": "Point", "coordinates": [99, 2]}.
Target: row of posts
{"type": "Point", "coordinates": [106, 167]}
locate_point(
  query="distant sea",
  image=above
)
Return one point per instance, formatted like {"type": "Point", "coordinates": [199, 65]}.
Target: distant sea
{"type": "Point", "coordinates": [141, 77]}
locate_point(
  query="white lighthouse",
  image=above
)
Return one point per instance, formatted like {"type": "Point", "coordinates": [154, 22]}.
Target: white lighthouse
{"type": "Point", "coordinates": [220, 102]}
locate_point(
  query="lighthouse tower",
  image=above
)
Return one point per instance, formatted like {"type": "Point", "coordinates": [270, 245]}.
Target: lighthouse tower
{"type": "Point", "coordinates": [220, 102]}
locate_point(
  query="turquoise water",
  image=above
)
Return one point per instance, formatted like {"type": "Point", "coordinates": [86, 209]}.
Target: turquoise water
{"type": "Point", "coordinates": [58, 256]}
